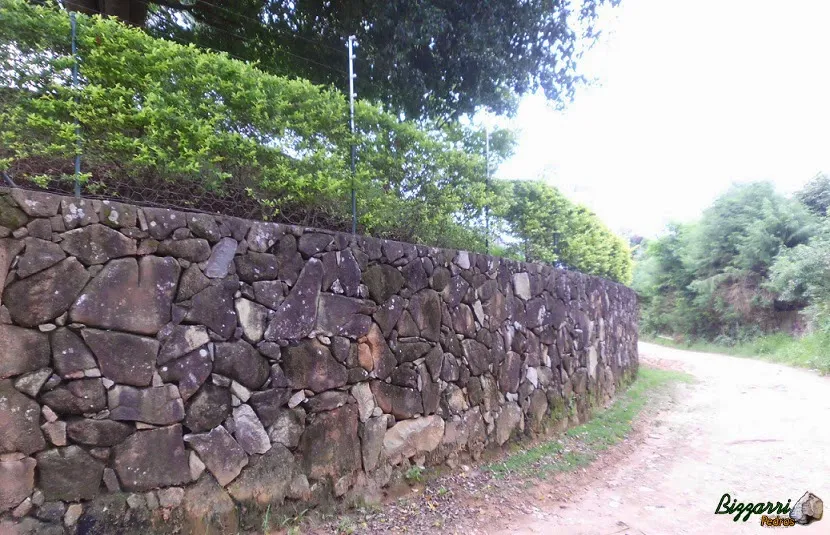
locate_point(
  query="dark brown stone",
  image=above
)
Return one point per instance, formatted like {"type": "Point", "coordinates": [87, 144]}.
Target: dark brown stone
{"type": "Point", "coordinates": [222, 455]}
{"type": "Point", "coordinates": [181, 340]}
{"type": "Point", "coordinates": [401, 402]}
{"type": "Point", "coordinates": [191, 249]}
{"type": "Point", "coordinates": [101, 433]}
{"type": "Point", "coordinates": [45, 295]}
{"type": "Point", "coordinates": [415, 275]}
{"type": "Point", "coordinates": [129, 296]}
{"type": "Point", "coordinates": [77, 397]}
{"type": "Point", "coordinates": [330, 444]}
{"type": "Point", "coordinates": [312, 243]}
{"type": "Point", "coordinates": [209, 509]}
{"type": "Point", "coordinates": [69, 353]}
{"type": "Point", "coordinates": [213, 307]}
{"type": "Point", "coordinates": [208, 408]}
{"type": "Point", "coordinates": [240, 361]}
{"type": "Point", "coordinates": [477, 356]}
{"type": "Point", "coordinates": [510, 373]}
{"type": "Point", "coordinates": [266, 479]}
{"type": "Point", "coordinates": [389, 313]}
{"type": "Point", "coordinates": [39, 255]}
{"type": "Point", "coordinates": [327, 401]}
{"type": "Point", "coordinates": [189, 372]}
{"type": "Point", "coordinates": [405, 376]}
{"type": "Point", "coordinates": [151, 459]}
{"type": "Point", "coordinates": [252, 267]}
{"type": "Point", "coordinates": [296, 316]}
{"type": "Point", "coordinates": [159, 405]}
{"type": "Point", "coordinates": [123, 358]}
{"type": "Point", "coordinates": [19, 422]}
{"type": "Point", "coordinates": [68, 474]}
{"type": "Point", "coordinates": [463, 321]}
{"type": "Point", "coordinates": [348, 273]}
{"type": "Point", "coordinates": [411, 351]}
{"type": "Point", "coordinates": [455, 290]}
{"type": "Point", "coordinates": [343, 316]}
{"type": "Point", "coordinates": [17, 480]}
{"type": "Point", "coordinates": [22, 350]}
{"type": "Point", "coordinates": [97, 244]}
{"type": "Point", "coordinates": [192, 282]}
{"type": "Point", "coordinates": [383, 282]}
{"type": "Point", "coordinates": [310, 365]}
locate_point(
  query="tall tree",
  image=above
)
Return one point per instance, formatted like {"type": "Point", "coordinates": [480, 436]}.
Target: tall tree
{"type": "Point", "coordinates": [425, 58]}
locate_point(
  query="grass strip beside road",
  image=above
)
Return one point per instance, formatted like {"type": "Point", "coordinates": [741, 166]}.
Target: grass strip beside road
{"type": "Point", "coordinates": [581, 444]}
{"type": "Point", "coordinates": [811, 351]}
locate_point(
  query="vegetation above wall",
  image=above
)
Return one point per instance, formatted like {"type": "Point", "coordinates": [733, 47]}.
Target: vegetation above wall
{"type": "Point", "coordinates": [172, 124]}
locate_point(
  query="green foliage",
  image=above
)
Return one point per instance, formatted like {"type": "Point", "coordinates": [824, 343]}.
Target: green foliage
{"type": "Point", "coordinates": [547, 227]}
{"type": "Point", "coordinates": [157, 115]}
{"type": "Point", "coordinates": [426, 59]}
{"type": "Point", "coordinates": [168, 115]}
{"type": "Point", "coordinates": [415, 474]}
{"type": "Point", "coordinates": [722, 278]}
{"type": "Point", "coordinates": [815, 195]}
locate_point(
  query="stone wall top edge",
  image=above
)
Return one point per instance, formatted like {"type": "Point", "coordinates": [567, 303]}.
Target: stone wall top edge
{"type": "Point", "coordinates": [299, 229]}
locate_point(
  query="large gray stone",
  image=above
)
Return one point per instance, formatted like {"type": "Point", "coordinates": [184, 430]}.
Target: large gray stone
{"type": "Point", "coordinates": [97, 244]}
{"type": "Point", "coordinates": [191, 249]}
{"type": "Point", "coordinates": [36, 203]}
{"type": "Point", "coordinates": [220, 258]}
{"type": "Point", "coordinates": [330, 444]}
{"type": "Point", "coordinates": [208, 408]}
{"type": "Point", "coordinates": [77, 213]}
{"type": "Point", "coordinates": [262, 236]}
{"type": "Point", "coordinates": [69, 353]}
{"type": "Point", "coordinates": [204, 226]}
{"type": "Point", "coordinates": [150, 459]}
{"type": "Point", "coordinates": [118, 215]}
{"type": "Point", "coordinates": [17, 480]}
{"type": "Point", "coordinates": [399, 401]}
{"type": "Point", "coordinates": [477, 356]}
{"type": "Point", "coordinates": [348, 273]}
{"type": "Point", "coordinates": [8, 250]}
{"type": "Point", "coordinates": [181, 340]}
{"type": "Point", "coordinates": [252, 267]}
{"type": "Point", "coordinates": [222, 455]}
{"type": "Point", "coordinates": [269, 293]}
{"type": "Point", "coordinates": [371, 438]}
{"type": "Point", "coordinates": [510, 373]}
{"type": "Point", "coordinates": [269, 403]}
{"type": "Point", "coordinates": [160, 405]}
{"type": "Point", "coordinates": [296, 315]}
{"type": "Point", "coordinates": [77, 397]}
{"type": "Point", "coordinates": [312, 243]}
{"type": "Point", "coordinates": [425, 307]}
{"type": "Point", "coordinates": [69, 474]}
{"type": "Point", "coordinates": [310, 365]}
{"type": "Point", "coordinates": [287, 427]}
{"type": "Point", "coordinates": [123, 358]}
{"type": "Point", "coordinates": [161, 222]}
{"type": "Point", "coordinates": [374, 354]}
{"type": "Point", "coordinates": [383, 282]}
{"type": "Point", "coordinates": [509, 419]}
{"type": "Point", "coordinates": [189, 372]}
{"type": "Point", "coordinates": [213, 307]}
{"type": "Point", "coordinates": [411, 437]}
{"type": "Point", "coordinates": [252, 319]}
{"type": "Point", "coordinates": [129, 296]}
{"type": "Point", "coordinates": [249, 431]}
{"type": "Point", "coordinates": [192, 282]}
{"type": "Point", "coordinates": [39, 255]}
{"type": "Point", "coordinates": [343, 316]}
{"type": "Point", "coordinates": [209, 509]}
{"type": "Point", "coordinates": [19, 422]}
{"type": "Point", "coordinates": [389, 313]}
{"type": "Point", "coordinates": [240, 361]}
{"type": "Point", "coordinates": [11, 216]}
{"type": "Point", "coordinates": [100, 433]}
{"type": "Point", "coordinates": [45, 295]}
{"type": "Point", "coordinates": [22, 350]}
{"type": "Point", "coordinates": [266, 479]}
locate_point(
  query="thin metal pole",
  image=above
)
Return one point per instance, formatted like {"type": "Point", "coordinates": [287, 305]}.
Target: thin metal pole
{"type": "Point", "coordinates": [77, 124]}
{"type": "Point", "coordinates": [487, 206]}
{"type": "Point", "coordinates": [351, 112]}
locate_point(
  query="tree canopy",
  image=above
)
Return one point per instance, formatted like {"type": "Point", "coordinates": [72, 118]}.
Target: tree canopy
{"type": "Point", "coordinates": [752, 259]}
{"type": "Point", "coordinates": [433, 59]}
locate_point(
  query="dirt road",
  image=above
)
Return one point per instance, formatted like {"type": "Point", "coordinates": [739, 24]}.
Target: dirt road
{"type": "Point", "coordinates": [758, 431]}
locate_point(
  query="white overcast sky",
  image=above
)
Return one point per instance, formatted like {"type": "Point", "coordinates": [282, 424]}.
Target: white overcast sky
{"type": "Point", "coordinates": [692, 95]}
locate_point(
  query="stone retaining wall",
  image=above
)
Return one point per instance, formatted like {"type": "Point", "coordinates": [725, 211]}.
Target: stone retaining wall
{"type": "Point", "coordinates": [159, 365]}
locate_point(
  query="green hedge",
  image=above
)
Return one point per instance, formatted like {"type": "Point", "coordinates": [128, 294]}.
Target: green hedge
{"type": "Point", "coordinates": [184, 125]}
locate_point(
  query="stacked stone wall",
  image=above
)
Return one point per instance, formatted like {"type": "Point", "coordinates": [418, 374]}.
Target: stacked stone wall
{"type": "Point", "coordinates": [156, 362]}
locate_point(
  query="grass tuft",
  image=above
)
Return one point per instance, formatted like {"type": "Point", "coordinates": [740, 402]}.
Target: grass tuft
{"type": "Point", "coordinates": [580, 444]}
